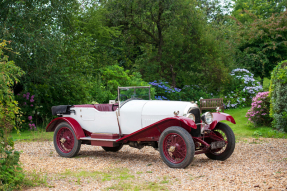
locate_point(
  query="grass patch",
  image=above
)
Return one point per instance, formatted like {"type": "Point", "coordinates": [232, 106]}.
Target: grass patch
{"type": "Point", "coordinates": [115, 174]}
{"type": "Point", "coordinates": [165, 180]}
{"type": "Point", "coordinates": [34, 179]}
{"type": "Point", "coordinates": [243, 128]}
{"type": "Point", "coordinates": [39, 135]}
{"type": "Point", "coordinates": [143, 186]}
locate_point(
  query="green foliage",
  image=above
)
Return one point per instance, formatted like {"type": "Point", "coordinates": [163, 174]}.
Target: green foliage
{"type": "Point", "coordinates": [262, 44]}
{"type": "Point", "coordinates": [110, 78]}
{"type": "Point", "coordinates": [260, 108]}
{"type": "Point", "coordinates": [194, 93]}
{"type": "Point", "coordinates": [10, 171]}
{"type": "Point", "coordinates": [248, 11]}
{"type": "Point", "coordinates": [278, 94]}
{"type": "Point", "coordinates": [171, 41]}
{"type": "Point", "coordinates": [8, 76]}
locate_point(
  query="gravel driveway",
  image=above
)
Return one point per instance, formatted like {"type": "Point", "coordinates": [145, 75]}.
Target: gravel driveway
{"type": "Point", "coordinates": [255, 165]}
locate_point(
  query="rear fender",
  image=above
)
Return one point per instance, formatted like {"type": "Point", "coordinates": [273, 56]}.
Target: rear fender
{"type": "Point", "coordinates": [153, 131]}
{"type": "Point", "coordinates": [72, 122]}
{"type": "Point", "coordinates": [220, 117]}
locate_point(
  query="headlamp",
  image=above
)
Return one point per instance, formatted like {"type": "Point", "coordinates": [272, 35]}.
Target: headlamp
{"type": "Point", "coordinates": [207, 118]}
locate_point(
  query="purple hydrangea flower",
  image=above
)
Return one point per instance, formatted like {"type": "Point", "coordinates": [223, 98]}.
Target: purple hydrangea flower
{"type": "Point", "coordinates": [30, 118]}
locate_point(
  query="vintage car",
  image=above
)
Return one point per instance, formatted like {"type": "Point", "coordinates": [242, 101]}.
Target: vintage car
{"type": "Point", "coordinates": [174, 128]}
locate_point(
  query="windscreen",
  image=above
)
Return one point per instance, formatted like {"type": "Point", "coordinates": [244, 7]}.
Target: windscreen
{"type": "Point", "coordinates": [139, 93]}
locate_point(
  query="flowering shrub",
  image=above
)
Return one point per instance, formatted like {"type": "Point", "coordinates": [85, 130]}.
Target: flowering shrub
{"type": "Point", "coordinates": [260, 107]}
{"type": "Point", "coordinates": [165, 92]}
{"type": "Point", "coordinates": [244, 88]}
{"type": "Point", "coordinates": [187, 93]}
{"type": "Point", "coordinates": [26, 102]}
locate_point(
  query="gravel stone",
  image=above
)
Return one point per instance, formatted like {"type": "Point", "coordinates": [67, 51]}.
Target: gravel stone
{"type": "Point", "coordinates": [255, 165]}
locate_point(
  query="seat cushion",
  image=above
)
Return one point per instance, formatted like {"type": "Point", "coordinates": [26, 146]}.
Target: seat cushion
{"type": "Point", "coordinates": [106, 107]}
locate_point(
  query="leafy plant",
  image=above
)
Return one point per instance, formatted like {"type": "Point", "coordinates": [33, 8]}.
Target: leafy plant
{"type": "Point", "coordinates": [262, 43]}
{"type": "Point", "coordinates": [278, 94]}
{"type": "Point", "coordinates": [259, 112]}
{"type": "Point", "coordinates": [11, 174]}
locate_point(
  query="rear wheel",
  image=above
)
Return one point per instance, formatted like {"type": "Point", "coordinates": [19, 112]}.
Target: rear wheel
{"type": "Point", "coordinates": [224, 131]}
{"type": "Point", "coordinates": [65, 141]}
{"type": "Point", "coordinates": [176, 147]}
{"type": "Point", "coordinates": [113, 149]}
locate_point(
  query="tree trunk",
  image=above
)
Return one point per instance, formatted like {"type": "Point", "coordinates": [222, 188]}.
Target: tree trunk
{"type": "Point", "coordinates": [173, 76]}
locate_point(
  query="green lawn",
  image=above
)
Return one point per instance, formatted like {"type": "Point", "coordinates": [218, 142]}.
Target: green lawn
{"type": "Point", "coordinates": [39, 135]}
{"type": "Point", "coordinates": [241, 129]}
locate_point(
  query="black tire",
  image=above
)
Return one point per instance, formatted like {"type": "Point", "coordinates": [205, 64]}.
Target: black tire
{"type": "Point", "coordinates": [74, 144]}
{"type": "Point", "coordinates": [225, 152]}
{"type": "Point", "coordinates": [113, 149]}
{"type": "Point", "coordinates": [182, 138]}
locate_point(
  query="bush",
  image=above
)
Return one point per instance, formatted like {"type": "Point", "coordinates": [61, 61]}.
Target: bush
{"type": "Point", "coordinates": [259, 112]}
{"type": "Point", "coordinates": [10, 172]}
{"type": "Point", "coordinates": [104, 88]}
{"type": "Point", "coordinates": [242, 88]}
{"type": "Point", "coordinates": [165, 92]}
{"type": "Point", "coordinates": [187, 93]}
{"type": "Point", "coordinates": [278, 94]}
{"type": "Point", "coordinates": [28, 109]}
{"type": "Point", "coordinates": [194, 93]}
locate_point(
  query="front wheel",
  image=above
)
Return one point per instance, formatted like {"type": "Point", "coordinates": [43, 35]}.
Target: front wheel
{"type": "Point", "coordinates": [65, 141]}
{"type": "Point", "coordinates": [224, 131]}
{"type": "Point", "coordinates": [176, 147]}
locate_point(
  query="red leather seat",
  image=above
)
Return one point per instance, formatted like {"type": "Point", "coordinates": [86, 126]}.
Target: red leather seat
{"type": "Point", "coordinates": [106, 107]}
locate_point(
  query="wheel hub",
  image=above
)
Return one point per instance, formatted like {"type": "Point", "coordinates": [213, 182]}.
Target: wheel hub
{"type": "Point", "coordinates": [171, 150]}
{"type": "Point", "coordinates": [63, 140]}
{"type": "Point", "coordinates": [175, 148]}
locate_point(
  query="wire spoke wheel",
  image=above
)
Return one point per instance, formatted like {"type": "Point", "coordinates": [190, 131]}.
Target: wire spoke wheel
{"type": "Point", "coordinates": [225, 132]}
{"type": "Point", "coordinates": [222, 135]}
{"type": "Point", "coordinates": [176, 147]}
{"type": "Point", "coordinates": [65, 141]}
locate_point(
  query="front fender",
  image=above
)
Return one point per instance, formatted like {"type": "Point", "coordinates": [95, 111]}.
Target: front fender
{"type": "Point", "coordinates": [72, 122]}
{"type": "Point", "coordinates": [153, 131]}
{"type": "Point", "coordinates": [220, 117]}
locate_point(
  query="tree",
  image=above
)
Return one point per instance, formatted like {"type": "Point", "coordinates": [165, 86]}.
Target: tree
{"type": "Point", "coordinates": [250, 10]}
{"type": "Point", "coordinates": [170, 40]}
{"type": "Point", "coordinates": [263, 43]}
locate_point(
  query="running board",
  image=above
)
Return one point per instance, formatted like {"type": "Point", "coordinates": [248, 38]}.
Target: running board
{"type": "Point", "coordinates": [101, 142]}
{"type": "Point", "coordinates": [97, 139]}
